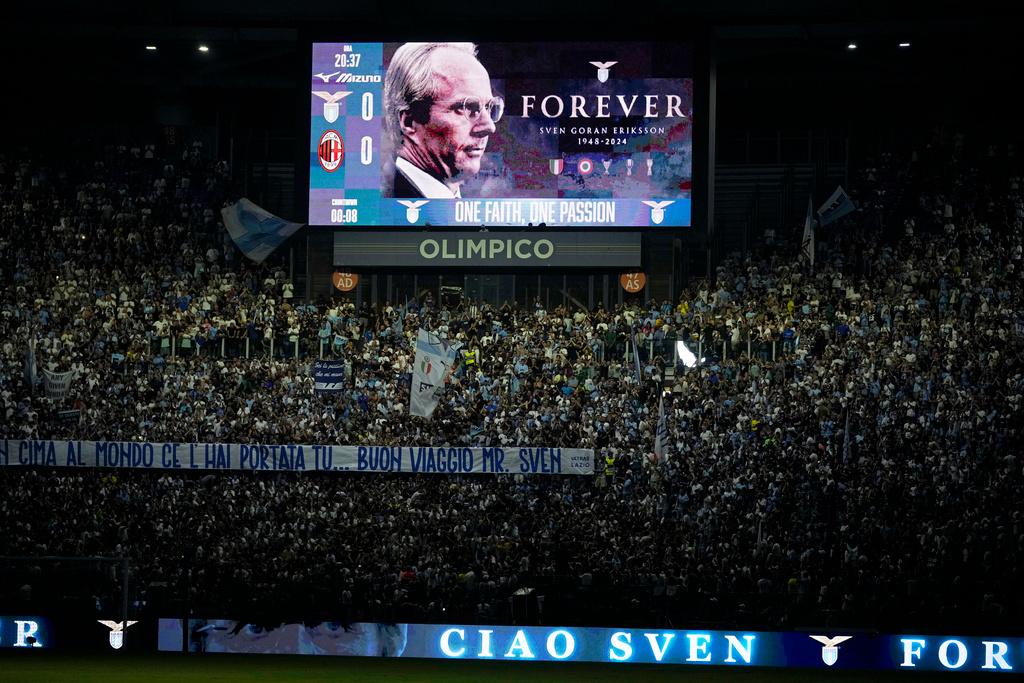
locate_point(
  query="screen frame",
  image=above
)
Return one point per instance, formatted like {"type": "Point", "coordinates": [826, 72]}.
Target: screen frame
{"type": "Point", "coordinates": [698, 34]}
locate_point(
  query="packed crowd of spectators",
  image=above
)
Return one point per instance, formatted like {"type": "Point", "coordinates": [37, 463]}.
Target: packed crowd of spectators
{"type": "Point", "coordinates": [848, 450]}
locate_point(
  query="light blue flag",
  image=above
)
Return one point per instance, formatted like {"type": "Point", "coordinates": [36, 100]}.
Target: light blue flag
{"type": "Point", "coordinates": [256, 231]}
{"type": "Point", "coordinates": [434, 363]}
{"type": "Point", "coordinates": [835, 207]}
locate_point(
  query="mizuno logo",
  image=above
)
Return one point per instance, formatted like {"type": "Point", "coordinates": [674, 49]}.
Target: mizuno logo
{"type": "Point", "coordinates": [345, 77]}
{"type": "Point", "coordinates": [358, 78]}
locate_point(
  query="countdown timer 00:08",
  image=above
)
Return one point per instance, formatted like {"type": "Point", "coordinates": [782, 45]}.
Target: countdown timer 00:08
{"type": "Point", "coordinates": [344, 215]}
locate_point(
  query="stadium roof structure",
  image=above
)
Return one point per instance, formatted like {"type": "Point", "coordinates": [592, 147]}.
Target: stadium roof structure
{"type": "Point", "coordinates": [787, 50]}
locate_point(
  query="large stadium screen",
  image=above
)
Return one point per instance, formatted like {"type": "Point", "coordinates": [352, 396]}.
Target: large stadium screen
{"type": "Point", "coordinates": [503, 134]}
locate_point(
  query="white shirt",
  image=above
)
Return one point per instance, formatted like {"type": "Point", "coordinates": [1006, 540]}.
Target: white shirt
{"type": "Point", "coordinates": [428, 185]}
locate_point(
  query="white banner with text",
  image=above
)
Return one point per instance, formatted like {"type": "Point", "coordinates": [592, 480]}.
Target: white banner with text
{"type": "Point", "coordinates": [296, 458]}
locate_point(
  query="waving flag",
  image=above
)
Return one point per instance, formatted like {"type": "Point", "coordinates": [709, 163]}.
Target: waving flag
{"type": "Point", "coordinates": [661, 432]}
{"type": "Point", "coordinates": [256, 232]}
{"type": "Point", "coordinates": [29, 370]}
{"type": "Point", "coordinates": [636, 357]}
{"type": "Point", "coordinates": [835, 207]}
{"type": "Point", "coordinates": [435, 360]}
{"type": "Point", "coordinates": [807, 245]}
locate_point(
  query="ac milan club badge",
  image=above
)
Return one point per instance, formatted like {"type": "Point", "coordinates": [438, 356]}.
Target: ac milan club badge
{"type": "Point", "coordinates": [331, 151]}
{"type": "Point", "coordinates": [585, 166]}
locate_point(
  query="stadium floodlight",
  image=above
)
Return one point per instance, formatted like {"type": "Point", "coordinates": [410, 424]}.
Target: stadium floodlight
{"type": "Point", "coordinates": [151, 48]}
{"type": "Point", "coordinates": [685, 355]}
{"type": "Point", "coordinates": [851, 46]}
{"type": "Point", "coordinates": [204, 48]}
{"type": "Point", "coordinates": [904, 44]}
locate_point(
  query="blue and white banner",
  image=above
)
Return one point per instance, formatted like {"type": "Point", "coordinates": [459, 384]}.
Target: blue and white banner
{"type": "Point", "coordinates": [822, 650]}
{"type": "Point", "coordinates": [296, 458]}
{"type": "Point", "coordinates": [835, 207]}
{"type": "Point", "coordinates": [328, 376]}
{"type": "Point", "coordinates": [256, 232]}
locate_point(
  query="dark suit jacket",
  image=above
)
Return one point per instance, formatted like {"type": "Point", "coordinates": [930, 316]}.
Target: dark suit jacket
{"type": "Point", "coordinates": [403, 189]}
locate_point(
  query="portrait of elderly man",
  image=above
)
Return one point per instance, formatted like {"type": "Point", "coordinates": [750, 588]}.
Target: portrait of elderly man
{"type": "Point", "coordinates": [440, 111]}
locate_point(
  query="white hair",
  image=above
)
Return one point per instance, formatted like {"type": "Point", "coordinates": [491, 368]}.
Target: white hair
{"type": "Point", "coordinates": [410, 78]}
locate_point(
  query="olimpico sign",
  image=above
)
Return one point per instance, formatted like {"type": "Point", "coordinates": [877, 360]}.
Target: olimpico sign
{"type": "Point", "coordinates": [824, 651]}
{"type": "Point", "coordinates": [490, 249]}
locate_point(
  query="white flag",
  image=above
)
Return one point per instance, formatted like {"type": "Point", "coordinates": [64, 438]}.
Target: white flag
{"type": "Point", "coordinates": [807, 246]}
{"type": "Point", "coordinates": [256, 231]}
{"type": "Point", "coordinates": [57, 383]}
{"type": "Point", "coordinates": [435, 360]}
{"type": "Point", "coordinates": [661, 432]}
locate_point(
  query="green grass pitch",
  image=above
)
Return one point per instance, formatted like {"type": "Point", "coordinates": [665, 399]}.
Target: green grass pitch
{"type": "Point", "coordinates": [48, 667]}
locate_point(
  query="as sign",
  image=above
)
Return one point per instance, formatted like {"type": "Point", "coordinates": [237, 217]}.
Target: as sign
{"type": "Point", "coordinates": [345, 282]}
{"type": "Point", "coordinates": [633, 282]}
